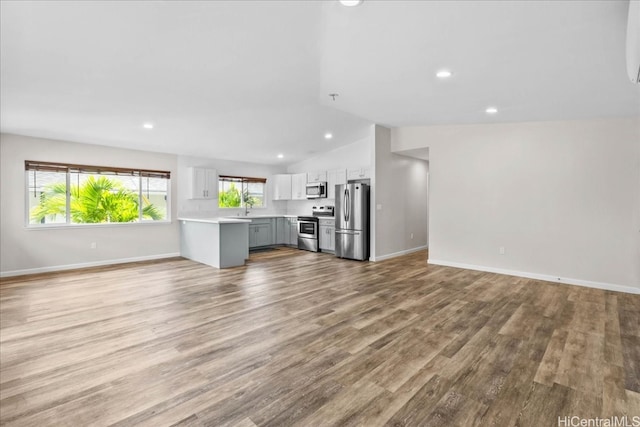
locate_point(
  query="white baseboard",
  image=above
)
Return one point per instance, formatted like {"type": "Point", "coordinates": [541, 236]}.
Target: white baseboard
{"type": "Point", "coordinates": [85, 265]}
{"type": "Point", "coordinates": [396, 254]}
{"type": "Point", "coordinates": [545, 277]}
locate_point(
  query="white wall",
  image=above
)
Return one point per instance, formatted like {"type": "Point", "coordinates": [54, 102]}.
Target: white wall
{"type": "Point", "coordinates": [401, 193]}
{"type": "Point", "coordinates": [33, 250]}
{"type": "Point", "coordinates": [563, 198]}
{"type": "Point", "coordinates": [209, 208]}
{"type": "Point", "coordinates": [352, 156]}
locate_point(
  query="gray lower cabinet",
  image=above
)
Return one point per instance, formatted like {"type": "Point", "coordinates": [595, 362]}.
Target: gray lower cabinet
{"type": "Point", "coordinates": [286, 231]}
{"type": "Point", "coordinates": [293, 231]}
{"type": "Point", "coordinates": [282, 232]}
{"type": "Point", "coordinates": [327, 235]}
{"type": "Point", "coordinates": [260, 233]}
{"type": "Point", "coordinates": [273, 231]}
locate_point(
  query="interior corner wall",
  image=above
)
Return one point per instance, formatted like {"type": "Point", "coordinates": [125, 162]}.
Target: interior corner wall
{"type": "Point", "coordinates": [562, 198]}
{"type": "Point", "coordinates": [24, 250]}
{"type": "Point", "coordinates": [400, 199]}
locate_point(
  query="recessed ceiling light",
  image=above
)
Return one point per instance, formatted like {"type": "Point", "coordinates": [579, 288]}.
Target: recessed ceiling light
{"type": "Point", "coordinates": [148, 125]}
{"type": "Point", "coordinates": [281, 156]}
{"type": "Point", "coordinates": [443, 74]}
{"type": "Point", "coordinates": [491, 110]}
{"type": "Point", "coordinates": [328, 136]}
{"type": "Point", "coordinates": [350, 3]}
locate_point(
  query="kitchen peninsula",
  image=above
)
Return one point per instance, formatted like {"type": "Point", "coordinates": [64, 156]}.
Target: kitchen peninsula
{"type": "Point", "coordinates": [218, 242]}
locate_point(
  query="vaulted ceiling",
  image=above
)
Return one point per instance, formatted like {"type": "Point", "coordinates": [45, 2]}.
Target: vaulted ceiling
{"type": "Point", "coordinates": [247, 80]}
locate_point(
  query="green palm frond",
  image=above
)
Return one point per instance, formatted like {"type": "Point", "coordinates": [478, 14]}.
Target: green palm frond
{"type": "Point", "coordinates": [97, 200]}
{"type": "Point", "coordinates": [229, 198]}
{"type": "Point", "coordinates": [53, 201]}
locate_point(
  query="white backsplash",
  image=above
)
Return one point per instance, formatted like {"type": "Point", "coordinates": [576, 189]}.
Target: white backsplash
{"type": "Point", "coordinates": [303, 207]}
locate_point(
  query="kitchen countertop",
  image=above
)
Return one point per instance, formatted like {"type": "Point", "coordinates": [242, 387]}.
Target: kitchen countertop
{"type": "Point", "coordinates": [218, 220]}
{"type": "Point", "coordinates": [239, 219]}
{"type": "Point", "coordinates": [261, 216]}
{"type": "Point", "coordinates": [270, 216]}
{"type": "Point", "coordinates": [280, 216]}
{"type": "Point", "coordinates": [283, 216]}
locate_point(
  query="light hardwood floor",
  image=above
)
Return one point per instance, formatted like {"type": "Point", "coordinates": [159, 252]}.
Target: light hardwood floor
{"type": "Point", "coordinates": [298, 338]}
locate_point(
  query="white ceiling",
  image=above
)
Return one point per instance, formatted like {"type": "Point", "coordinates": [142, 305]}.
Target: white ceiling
{"type": "Point", "coordinates": [247, 80]}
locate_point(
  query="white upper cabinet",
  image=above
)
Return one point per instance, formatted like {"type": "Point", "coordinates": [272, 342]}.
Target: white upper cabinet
{"type": "Point", "coordinates": [203, 183]}
{"type": "Point", "coordinates": [335, 177]}
{"type": "Point", "coordinates": [299, 186]}
{"type": "Point", "coordinates": [293, 186]}
{"type": "Point", "coordinates": [282, 187]}
{"type": "Point", "coordinates": [361, 173]}
{"type": "Point", "coordinates": [317, 176]}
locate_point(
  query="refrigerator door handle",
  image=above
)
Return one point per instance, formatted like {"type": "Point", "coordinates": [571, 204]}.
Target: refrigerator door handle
{"type": "Point", "coordinates": [348, 206]}
{"type": "Point", "coordinates": [357, 233]}
{"type": "Point", "coordinates": [345, 206]}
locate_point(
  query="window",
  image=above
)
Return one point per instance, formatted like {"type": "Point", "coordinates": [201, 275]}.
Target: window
{"type": "Point", "coordinates": [60, 193]}
{"type": "Point", "coordinates": [240, 192]}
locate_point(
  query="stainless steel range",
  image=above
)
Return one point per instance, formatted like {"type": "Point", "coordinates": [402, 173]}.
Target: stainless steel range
{"type": "Point", "coordinates": [308, 233]}
{"type": "Point", "coordinates": [308, 228]}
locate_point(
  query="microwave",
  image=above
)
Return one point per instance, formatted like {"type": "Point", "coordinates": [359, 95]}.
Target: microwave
{"type": "Point", "coordinates": [315, 190]}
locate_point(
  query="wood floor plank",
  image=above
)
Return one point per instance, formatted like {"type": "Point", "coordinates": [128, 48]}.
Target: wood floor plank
{"type": "Point", "coordinates": [301, 338]}
{"type": "Point", "coordinates": [455, 409]}
{"type": "Point", "coordinates": [291, 408]}
{"type": "Point", "coordinates": [582, 351]}
{"type": "Point", "coordinates": [631, 356]}
{"type": "Point", "coordinates": [484, 378]}
{"type": "Point", "coordinates": [344, 405]}
{"type": "Point", "coordinates": [509, 403]}
{"type": "Point", "coordinates": [544, 405]}
{"type": "Point", "coordinates": [191, 421]}
{"type": "Point", "coordinates": [387, 404]}
{"type": "Point", "coordinates": [407, 355]}
{"type": "Point", "coordinates": [548, 368]}
{"type": "Point", "coordinates": [422, 404]}
{"type": "Point", "coordinates": [632, 403]}
{"type": "Point", "coordinates": [614, 396]}
{"type": "Point", "coordinates": [612, 343]}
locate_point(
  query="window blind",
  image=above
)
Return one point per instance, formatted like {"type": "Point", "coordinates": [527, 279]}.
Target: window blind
{"type": "Point", "coordinates": [102, 170]}
{"type": "Point", "coordinates": [241, 178]}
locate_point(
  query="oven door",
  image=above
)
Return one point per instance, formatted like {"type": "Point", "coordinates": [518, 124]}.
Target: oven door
{"type": "Point", "coordinates": [308, 229]}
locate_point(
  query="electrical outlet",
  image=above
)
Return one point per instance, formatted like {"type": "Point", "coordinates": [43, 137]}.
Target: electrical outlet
{"type": "Point", "coordinates": [501, 250]}
{"type": "Point", "coordinates": [411, 236]}
{"type": "Point", "coordinates": [93, 245]}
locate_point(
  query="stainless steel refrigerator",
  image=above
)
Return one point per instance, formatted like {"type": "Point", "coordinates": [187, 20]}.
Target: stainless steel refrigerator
{"type": "Point", "coordinates": [352, 221]}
